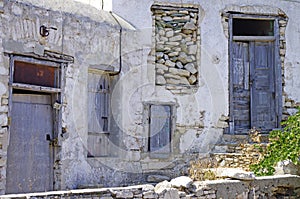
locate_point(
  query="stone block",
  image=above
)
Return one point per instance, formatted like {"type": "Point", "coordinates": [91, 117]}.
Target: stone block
{"type": "Point", "coordinates": [172, 76]}
{"type": "Point", "coordinates": [169, 33]}
{"type": "Point", "coordinates": [179, 65]}
{"type": "Point", "coordinates": [173, 43]}
{"type": "Point", "coordinates": [182, 181]}
{"type": "Point", "coordinates": [157, 178]}
{"type": "Point", "coordinates": [171, 194]}
{"type": "Point", "coordinates": [192, 79]}
{"type": "Point", "coordinates": [191, 67]}
{"type": "Point", "coordinates": [180, 72]}
{"type": "Point", "coordinates": [124, 194]}
{"type": "Point", "coordinates": [176, 38]}
{"type": "Point", "coordinates": [173, 81]}
{"type": "Point", "coordinates": [162, 66]}
{"type": "Point", "coordinates": [184, 80]}
{"type": "Point", "coordinates": [160, 80]}
{"type": "Point", "coordinates": [192, 49]}
{"type": "Point", "coordinates": [170, 63]}
{"type": "Point", "coordinates": [172, 54]}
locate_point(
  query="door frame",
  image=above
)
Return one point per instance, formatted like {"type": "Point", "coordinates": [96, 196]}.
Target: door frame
{"type": "Point", "coordinates": [277, 63]}
{"type": "Point", "coordinates": [56, 100]}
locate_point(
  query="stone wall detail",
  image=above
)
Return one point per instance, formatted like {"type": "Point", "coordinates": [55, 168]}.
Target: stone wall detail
{"type": "Point", "coordinates": [285, 186]}
{"type": "Point", "coordinates": [176, 45]}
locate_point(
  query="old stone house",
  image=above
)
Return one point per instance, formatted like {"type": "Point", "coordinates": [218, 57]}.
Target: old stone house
{"type": "Point", "coordinates": [108, 93]}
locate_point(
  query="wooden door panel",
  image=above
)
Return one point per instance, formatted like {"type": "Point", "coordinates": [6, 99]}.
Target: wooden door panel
{"type": "Point", "coordinates": [160, 128]}
{"type": "Point", "coordinates": [240, 84]}
{"type": "Point", "coordinates": [29, 163]}
{"type": "Point", "coordinates": [263, 86]}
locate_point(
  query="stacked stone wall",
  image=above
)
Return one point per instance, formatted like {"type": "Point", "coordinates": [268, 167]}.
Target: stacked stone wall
{"type": "Point", "coordinates": [176, 46]}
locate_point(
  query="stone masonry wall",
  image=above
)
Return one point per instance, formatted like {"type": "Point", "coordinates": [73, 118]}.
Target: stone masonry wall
{"type": "Point", "coordinates": [184, 188]}
{"type": "Point", "coordinates": [176, 45]}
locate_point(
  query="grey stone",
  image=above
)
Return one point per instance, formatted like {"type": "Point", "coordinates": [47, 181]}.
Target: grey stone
{"type": "Point", "coordinates": [124, 194]}
{"type": "Point", "coordinates": [190, 26]}
{"type": "Point", "coordinates": [157, 178]}
{"type": "Point", "coordinates": [191, 67]}
{"type": "Point", "coordinates": [176, 38]}
{"type": "Point", "coordinates": [161, 81]}
{"type": "Point", "coordinates": [173, 54]}
{"type": "Point", "coordinates": [183, 57]}
{"type": "Point", "coordinates": [161, 32]}
{"type": "Point", "coordinates": [192, 79]}
{"type": "Point", "coordinates": [182, 181]}
{"type": "Point", "coordinates": [162, 186]}
{"type": "Point", "coordinates": [170, 63]}
{"type": "Point", "coordinates": [179, 64]}
{"type": "Point", "coordinates": [166, 57]}
{"type": "Point", "coordinates": [161, 61]}
{"type": "Point", "coordinates": [149, 194]}
{"type": "Point", "coordinates": [287, 167]}
{"type": "Point", "coordinates": [171, 194]}
{"type": "Point", "coordinates": [167, 18]}
{"type": "Point", "coordinates": [162, 66]}
{"type": "Point", "coordinates": [173, 43]}
{"type": "Point", "coordinates": [173, 81]}
{"type": "Point", "coordinates": [172, 76]}
{"type": "Point", "coordinates": [169, 33]}
{"type": "Point", "coordinates": [159, 55]}
{"type": "Point", "coordinates": [192, 49]}
{"type": "Point", "coordinates": [180, 72]}
{"type": "Point", "coordinates": [235, 174]}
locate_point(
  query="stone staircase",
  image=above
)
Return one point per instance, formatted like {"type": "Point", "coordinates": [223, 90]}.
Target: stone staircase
{"type": "Point", "coordinates": [238, 151]}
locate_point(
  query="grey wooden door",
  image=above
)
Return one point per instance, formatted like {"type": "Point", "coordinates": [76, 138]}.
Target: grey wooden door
{"type": "Point", "coordinates": [253, 103]}
{"type": "Point", "coordinates": [29, 163]}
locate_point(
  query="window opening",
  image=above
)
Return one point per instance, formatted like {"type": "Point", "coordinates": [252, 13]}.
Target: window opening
{"type": "Point", "coordinates": [160, 128]}
{"type": "Point", "coordinates": [98, 115]}
{"type": "Point", "coordinates": [253, 27]}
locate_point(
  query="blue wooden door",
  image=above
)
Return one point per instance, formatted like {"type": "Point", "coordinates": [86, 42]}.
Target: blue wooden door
{"type": "Point", "coordinates": [29, 162]}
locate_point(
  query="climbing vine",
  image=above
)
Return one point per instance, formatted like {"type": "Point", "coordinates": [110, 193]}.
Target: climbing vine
{"type": "Point", "coordinates": [284, 145]}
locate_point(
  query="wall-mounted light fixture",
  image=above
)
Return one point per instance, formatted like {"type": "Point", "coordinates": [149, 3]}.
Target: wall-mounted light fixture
{"type": "Point", "coordinates": [44, 31]}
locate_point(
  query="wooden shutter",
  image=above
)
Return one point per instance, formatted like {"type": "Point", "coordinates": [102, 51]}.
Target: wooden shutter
{"type": "Point", "coordinates": [98, 115]}
{"type": "Point", "coordinates": [160, 128]}
{"type": "Point", "coordinates": [98, 103]}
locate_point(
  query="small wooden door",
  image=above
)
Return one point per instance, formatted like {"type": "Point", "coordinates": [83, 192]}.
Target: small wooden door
{"type": "Point", "coordinates": [30, 162]}
{"type": "Point", "coordinates": [253, 102]}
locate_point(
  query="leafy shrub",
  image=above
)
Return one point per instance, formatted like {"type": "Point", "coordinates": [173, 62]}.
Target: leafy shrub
{"type": "Point", "coordinates": [284, 145]}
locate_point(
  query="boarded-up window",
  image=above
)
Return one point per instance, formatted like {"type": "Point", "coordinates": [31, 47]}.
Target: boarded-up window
{"type": "Point", "coordinates": [36, 74]}
{"type": "Point", "coordinates": [160, 128]}
{"type": "Point", "coordinates": [98, 115]}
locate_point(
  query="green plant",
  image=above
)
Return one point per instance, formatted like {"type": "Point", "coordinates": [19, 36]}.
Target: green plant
{"type": "Point", "coordinates": [284, 145]}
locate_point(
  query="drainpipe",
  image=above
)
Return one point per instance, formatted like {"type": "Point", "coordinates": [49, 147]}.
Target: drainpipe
{"type": "Point", "coordinates": [120, 48]}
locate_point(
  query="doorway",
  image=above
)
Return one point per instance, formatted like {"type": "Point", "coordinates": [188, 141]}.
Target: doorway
{"type": "Point", "coordinates": [35, 123]}
{"type": "Point", "coordinates": [254, 76]}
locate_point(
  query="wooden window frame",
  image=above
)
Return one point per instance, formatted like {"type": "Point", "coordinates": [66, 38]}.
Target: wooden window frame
{"type": "Point", "coordinates": [147, 115]}
{"type": "Point", "coordinates": [32, 87]}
